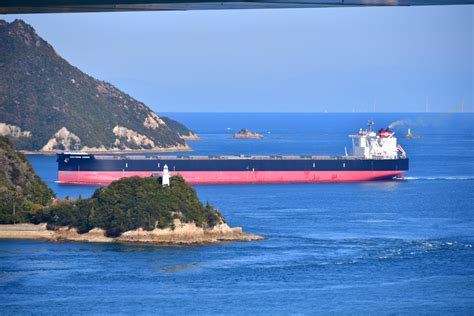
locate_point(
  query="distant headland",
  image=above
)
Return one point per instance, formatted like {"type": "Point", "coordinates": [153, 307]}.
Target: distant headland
{"type": "Point", "coordinates": [48, 105]}
{"type": "Point", "coordinates": [246, 134]}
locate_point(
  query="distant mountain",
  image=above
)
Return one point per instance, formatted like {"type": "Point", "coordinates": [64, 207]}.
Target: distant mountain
{"type": "Point", "coordinates": [48, 104]}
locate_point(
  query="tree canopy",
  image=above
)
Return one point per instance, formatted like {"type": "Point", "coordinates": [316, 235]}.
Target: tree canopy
{"type": "Point", "coordinates": [131, 203]}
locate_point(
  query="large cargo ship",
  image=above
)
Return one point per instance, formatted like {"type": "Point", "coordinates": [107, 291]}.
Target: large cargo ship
{"type": "Point", "coordinates": [375, 156]}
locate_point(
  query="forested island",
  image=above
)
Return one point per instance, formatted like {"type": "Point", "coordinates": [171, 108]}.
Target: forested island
{"type": "Point", "coordinates": [136, 210]}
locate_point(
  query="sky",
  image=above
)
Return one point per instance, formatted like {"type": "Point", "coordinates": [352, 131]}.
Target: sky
{"type": "Point", "coordinates": [393, 59]}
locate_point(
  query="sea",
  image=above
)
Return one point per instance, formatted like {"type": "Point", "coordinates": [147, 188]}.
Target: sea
{"type": "Point", "coordinates": [386, 247]}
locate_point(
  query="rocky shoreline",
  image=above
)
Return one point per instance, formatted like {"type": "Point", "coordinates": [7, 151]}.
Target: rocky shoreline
{"type": "Point", "coordinates": [130, 151]}
{"type": "Point", "coordinates": [190, 136]}
{"type": "Point", "coordinates": [183, 234]}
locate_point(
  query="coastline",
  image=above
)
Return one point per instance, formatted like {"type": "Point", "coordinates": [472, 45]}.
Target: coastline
{"type": "Point", "coordinates": [191, 136]}
{"type": "Point", "coordinates": [183, 234]}
{"type": "Point", "coordinates": [131, 151]}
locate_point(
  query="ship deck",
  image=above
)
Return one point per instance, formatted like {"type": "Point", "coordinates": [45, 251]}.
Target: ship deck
{"type": "Point", "coordinates": [232, 157]}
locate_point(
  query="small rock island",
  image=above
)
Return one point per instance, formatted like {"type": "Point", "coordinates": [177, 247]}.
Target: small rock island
{"type": "Point", "coordinates": [246, 134]}
{"type": "Point", "coordinates": [131, 210]}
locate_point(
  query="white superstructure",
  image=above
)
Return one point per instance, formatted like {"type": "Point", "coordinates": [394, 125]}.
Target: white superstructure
{"type": "Point", "coordinates": [371, 145]}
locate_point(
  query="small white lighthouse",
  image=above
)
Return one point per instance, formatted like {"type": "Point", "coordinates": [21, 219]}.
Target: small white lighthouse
{"type": "Point", "coordinates": [166, 176]}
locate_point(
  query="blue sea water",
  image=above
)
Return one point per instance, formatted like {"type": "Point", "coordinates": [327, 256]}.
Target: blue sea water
{"type": "Point", "coordinates": [388, 247]}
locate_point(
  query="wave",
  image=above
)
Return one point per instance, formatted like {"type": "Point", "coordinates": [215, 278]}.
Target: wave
{"type": "Point", "coordinates": [439, 178]}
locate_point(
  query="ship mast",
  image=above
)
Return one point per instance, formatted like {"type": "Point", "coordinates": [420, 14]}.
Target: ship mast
{"type": "Point", "coordinates": [369, 124]}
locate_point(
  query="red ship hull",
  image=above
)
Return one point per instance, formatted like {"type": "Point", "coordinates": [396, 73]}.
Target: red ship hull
{"type": "Point", "coordinates": [233, 177]}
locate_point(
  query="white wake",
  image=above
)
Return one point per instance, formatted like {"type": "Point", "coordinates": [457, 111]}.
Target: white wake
{"type": "Point", "coordinates": [440, 178]}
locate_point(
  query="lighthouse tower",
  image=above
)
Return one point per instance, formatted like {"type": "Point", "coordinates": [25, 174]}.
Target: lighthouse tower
{"type": "Point", "coordinates": [166, 176]}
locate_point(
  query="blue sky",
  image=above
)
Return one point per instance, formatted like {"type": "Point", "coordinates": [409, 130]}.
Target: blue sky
{"type": "Point", "coordinates": [308, 60]}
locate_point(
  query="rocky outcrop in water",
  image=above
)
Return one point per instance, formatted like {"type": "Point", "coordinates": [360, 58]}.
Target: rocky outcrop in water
{"type": "Point", "coordinates": [182, 234]}
{"type": "Point", "coordinates": [246, 134]}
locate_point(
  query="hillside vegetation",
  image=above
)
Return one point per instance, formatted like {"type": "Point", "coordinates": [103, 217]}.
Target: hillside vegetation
{"type": "Point", "coordinates": [48, 104]}
{"type": "Point", "coordinates": [132, 203]}
{"type": "Point", "coordinates": [21, 190]}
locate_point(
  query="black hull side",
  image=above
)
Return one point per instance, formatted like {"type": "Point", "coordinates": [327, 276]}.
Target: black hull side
{"type": "Point", "coordinates": [68, 162]}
